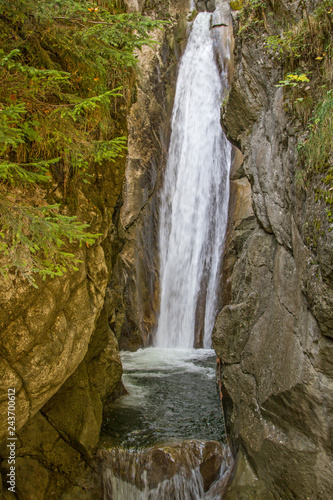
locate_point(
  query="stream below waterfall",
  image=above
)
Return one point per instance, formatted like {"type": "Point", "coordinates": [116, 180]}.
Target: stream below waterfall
{"type": "Point", "coordinates": [163, 439]}
{"type": "Point", "coordinates": [172, 396]}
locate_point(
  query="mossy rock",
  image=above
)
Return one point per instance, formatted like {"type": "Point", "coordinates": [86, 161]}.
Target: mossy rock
{"type": "Point", "coordinates": [236, 4]}
{"type": "Point", "coordinates": [192, 16]}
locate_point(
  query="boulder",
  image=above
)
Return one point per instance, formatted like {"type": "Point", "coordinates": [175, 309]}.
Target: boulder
{"type": "Point", "coordinates": [169, 465]}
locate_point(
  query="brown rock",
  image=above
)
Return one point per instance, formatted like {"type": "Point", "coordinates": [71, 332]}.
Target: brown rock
{"type": "Point", "coordinates": [149, 468]}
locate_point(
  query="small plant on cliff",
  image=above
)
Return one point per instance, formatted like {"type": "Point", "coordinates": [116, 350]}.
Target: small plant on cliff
{"type": "Point", "coordinates": [306, 48]}
{"type": "Point", "coordinates": [306, 51]}
{"type": "Point", "coordinates": [66, 67]}
{"type": "Point", "coordinates": [35, 239]}
{"type": "Point", "coordinates": [293, 80]}
{"type": "Point", "coordinates": [236, 4]}
{"type": "Point", "coordinates": [252, 14]}
{"type": "Point", "coordinates": [316, 152]}
{"type": "Point", "coordinates": [308, 40]}
{"type": "Point", "coordinates": [317, 149]}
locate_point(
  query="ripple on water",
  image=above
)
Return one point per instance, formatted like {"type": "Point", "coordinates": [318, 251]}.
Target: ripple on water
{"type": "Point", "coordinates": [172, 395]}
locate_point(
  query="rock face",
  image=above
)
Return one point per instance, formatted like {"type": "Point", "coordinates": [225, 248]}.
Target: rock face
{"type": "Point", "coordinates": [205, 5]}
{"type": "Point", "coordinates": [47, 340]}
{"type": "Point", "coordinates": [62, 359]}
{"type": "Point", "coordinates": [274, 333]}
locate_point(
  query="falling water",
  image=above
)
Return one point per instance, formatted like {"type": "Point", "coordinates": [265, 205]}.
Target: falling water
{"type": "Point", "coordinates": [130, 475]}
{"type": "Point", "coordinates": [171, 392]}
{"type": "Point", "coordinates": [194, 199]}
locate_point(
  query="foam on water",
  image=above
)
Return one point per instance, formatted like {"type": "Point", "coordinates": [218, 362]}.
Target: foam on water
{"type": "Point", "coordinates": [172, 395]}
{"type": "Point", "coordinates": [157, 361]}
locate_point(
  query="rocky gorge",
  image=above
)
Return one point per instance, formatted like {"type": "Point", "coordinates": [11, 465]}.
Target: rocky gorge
{"type": "Point", "coordinates": [60, 343]}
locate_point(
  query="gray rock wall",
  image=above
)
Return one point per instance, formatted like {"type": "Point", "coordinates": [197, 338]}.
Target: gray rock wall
{"type": "Point", "coordinates": [274, 333]}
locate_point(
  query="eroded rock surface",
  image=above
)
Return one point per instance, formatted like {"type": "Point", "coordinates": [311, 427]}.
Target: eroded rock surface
{"type": "Point", "coordinates": [274, 332]}
{"type": "Point", "coordinates": [46, 342]}
{"type": "Point", "coordinates": [62, 359]}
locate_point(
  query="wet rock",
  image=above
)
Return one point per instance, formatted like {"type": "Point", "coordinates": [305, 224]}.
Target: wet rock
{"type": "Point", "coordinates": [245, 484]}
{"type": "Point", "coordinates": [134, 5]}
{"type": "Point", "coordinates": [273, 331]}
{"type": "Point", "coordinates": [211, 464]}
{"type": "Point", "coordinates": [201, 6]}
{"type": "Point", "coordinates": [148, 469]}
{"type": "Point", "coordinates": [205, 5]}
{"type": "Point", "coordinates": [210, 5]}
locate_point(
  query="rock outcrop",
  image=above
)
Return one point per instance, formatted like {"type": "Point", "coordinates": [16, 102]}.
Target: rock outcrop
{"type": "Point", "coordinates": [205, 5]}
{"type": "Point", "coordinates": [187, 468]}
{"type": "Point", "coordinates": [274, 333]}
{"type": "Point", "coordinates": [62, 359]}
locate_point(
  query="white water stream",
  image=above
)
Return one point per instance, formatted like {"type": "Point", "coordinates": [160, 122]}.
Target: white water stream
{"type": "Point", "coordinates": [194, 200]}
{"type": "Point", "coordinates": [171, 391]}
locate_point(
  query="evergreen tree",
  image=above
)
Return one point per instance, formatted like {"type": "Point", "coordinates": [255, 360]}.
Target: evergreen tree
{"type": "Point", "coordinates": [64, 66]}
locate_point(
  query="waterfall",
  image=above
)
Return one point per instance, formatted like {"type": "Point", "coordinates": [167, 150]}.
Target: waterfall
{"type": "Point", "coordinates": [127, 475]}
{"type": "Point", "coordinates": [166, 432]}
{"type": "Point", "coordinates": [161, 473]}
{"type": "Point", "coordinates": [194, 198]}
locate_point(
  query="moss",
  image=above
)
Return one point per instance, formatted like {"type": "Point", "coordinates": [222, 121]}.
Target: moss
{"type": "Point", "coordinates": [236, 4]}
{"type": "Point", "coordinates": [193, 15]}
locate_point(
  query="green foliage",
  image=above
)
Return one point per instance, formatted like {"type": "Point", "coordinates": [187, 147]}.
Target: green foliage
{"type": "Point", "coordinates": [34, 240]}
{"type": "Point", "coordinates": [293, 80]}
{"type": "Point", "coordinates": [66, 66]}
{"type": "Point", "coordinates": [315, 153]}
{"type": "Point", "coordinates": [317, 150]}
{"type": "Point", "coordinates": [306, 51]}
{"type": "Point", "coordinates": [236, 4]}
{"type": "Point", "coordinates": [308, 40]}
{"type": "Point", "coordinates": [192, 16]}
{"type": "Point", "coordinates": [252, 15]}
